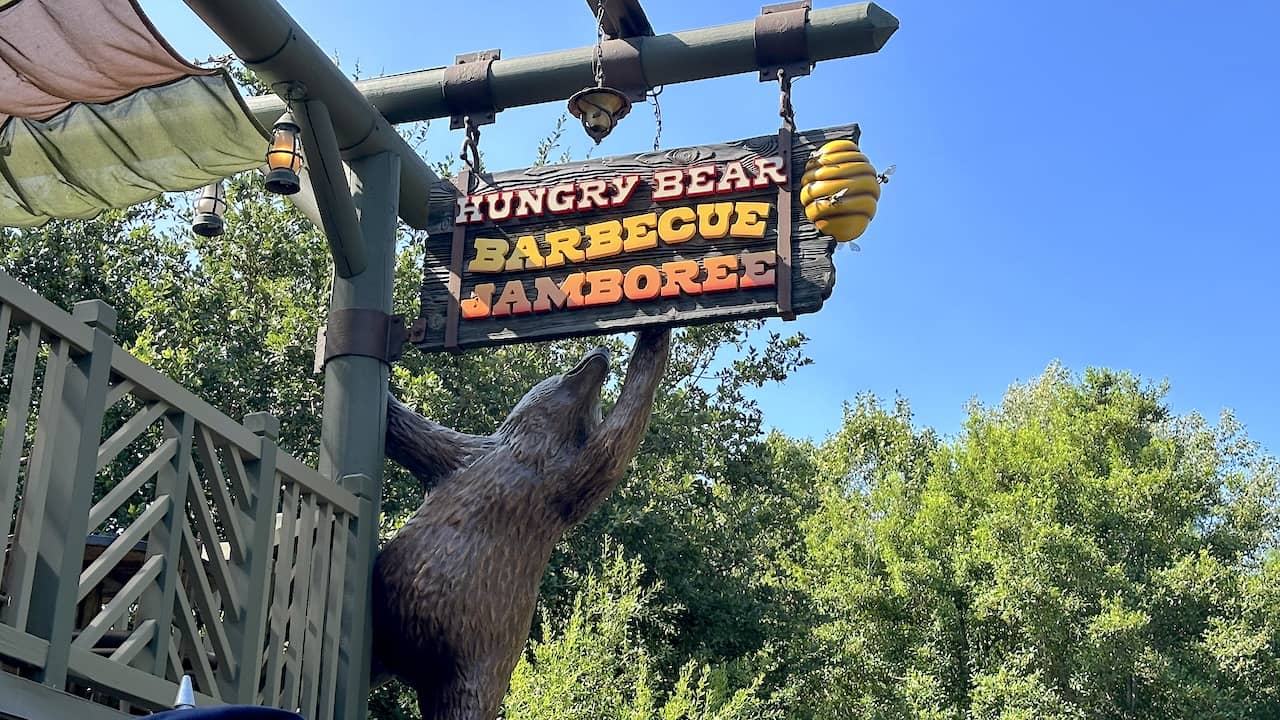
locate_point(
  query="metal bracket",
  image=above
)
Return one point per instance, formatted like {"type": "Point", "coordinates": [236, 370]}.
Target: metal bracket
{"type": "Point", "coordinates": [361, 331]}
{"type": "Point", "coordinates": [782, 40]}
{"type": "Point", "coordinates": [623, 18]}
{"type": "Point", "coordinates": [467, 90]}
{"type": "Point", "coordinates": [620, 63]}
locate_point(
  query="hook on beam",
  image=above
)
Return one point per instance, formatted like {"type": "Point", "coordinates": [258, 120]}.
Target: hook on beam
{"type": "Point", "coordinates": [782, 40]}
{"type": "Point", "coordinates": [468, 91]}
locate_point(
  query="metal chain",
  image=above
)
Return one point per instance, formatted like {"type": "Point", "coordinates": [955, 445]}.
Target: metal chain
{"type": "Point", "coordinates": [657, 118]}
{"type": "Point", "coordinates": [597, 61]}
{"type": "Point", "coordinates": [785, 110]}
{"type": "Point", "coordinates": [470, 152]}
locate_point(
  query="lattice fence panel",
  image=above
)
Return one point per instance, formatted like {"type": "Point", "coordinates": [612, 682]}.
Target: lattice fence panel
{"type": "Point", "coordinates": [305, 616]}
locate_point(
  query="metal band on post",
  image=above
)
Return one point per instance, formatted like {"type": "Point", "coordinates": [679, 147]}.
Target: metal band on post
{"type": "Point", "coordinates": [782, 40]}
{"type": "Point", "coordinates": [467, 90]}
{"type": "Point", "coordinates": [453, 314]}
{"type": "Point", "coordinates": [365, 332]}
{"type": "Point", "coordinates": [622, 69]}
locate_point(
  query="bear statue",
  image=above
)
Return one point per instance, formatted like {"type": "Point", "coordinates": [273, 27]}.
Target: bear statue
{"type": "Point", "coordinates": [454, 591]}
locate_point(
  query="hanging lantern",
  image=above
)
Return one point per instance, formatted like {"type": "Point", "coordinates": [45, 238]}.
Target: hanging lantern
{"type": "Point", "coordinates": [599, 108]}
{"type": "Point", "coordinates": [840, 190]}
{"type": "Point", "coordinates": [210, 208]}
{"type": "Point", "coordinates": [284, 157]}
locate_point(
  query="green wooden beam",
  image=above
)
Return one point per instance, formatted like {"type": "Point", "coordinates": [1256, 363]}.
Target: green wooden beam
{"type": "Point", "coordinates": [843, 31]}
{"type": "Point", "coordinates": [328, 181]}
{"type": "Point", "coordinates": [27, 700]}
{"type": "Point", "coordinates": [273, 45]}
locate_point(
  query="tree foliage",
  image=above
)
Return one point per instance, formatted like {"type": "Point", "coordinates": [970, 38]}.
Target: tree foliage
{"type": "Point", "coordinates": [1077, 551]}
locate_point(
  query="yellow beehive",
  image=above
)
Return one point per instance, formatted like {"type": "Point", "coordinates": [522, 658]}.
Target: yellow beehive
{"type": "Point", "coordinates": [839, 190]}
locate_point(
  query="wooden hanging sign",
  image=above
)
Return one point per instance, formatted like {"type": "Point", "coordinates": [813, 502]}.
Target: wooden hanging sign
{"type": "Point", "coordinates": [676, 237]}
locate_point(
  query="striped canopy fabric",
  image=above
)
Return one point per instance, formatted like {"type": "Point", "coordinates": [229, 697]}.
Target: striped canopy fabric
{"type": "Point", "coordinates": [97, 112]}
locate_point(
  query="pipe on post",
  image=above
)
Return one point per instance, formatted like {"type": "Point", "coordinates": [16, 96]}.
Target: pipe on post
{"type": "Point", "coordinates": [843, 31]}
{"type": "Point", "coordinates": [272, 44]}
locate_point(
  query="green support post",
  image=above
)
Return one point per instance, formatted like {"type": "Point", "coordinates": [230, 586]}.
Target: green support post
{"type": "Point", "coordinates": [69, 444]}
{"type": "Point", "coordinates": [355, 386]}
{"type": "Point", "coordinates": [352, 691]}
{"type": "Point", "coordinates": [248, 633]}
{"type": "Point", "coordinates": [165, 540]}
{"type": "Point", "coordinates": [355, 401]}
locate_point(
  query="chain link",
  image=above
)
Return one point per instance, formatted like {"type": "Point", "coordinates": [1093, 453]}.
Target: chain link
{"type": "Point", "coordinates": [470, 152]}
{"type": "Point", "coordinates": [657, 118]}
{"type": "Point", "coordinates": [597, 62]}
{"type": "Point", "coordinates": [785, 110]}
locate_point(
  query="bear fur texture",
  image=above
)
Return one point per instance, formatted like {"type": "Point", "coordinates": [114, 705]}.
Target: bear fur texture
{"type": "Point", "coordinates": [454, 591]}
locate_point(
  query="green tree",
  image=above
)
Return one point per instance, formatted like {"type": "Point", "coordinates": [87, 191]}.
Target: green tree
{"type": "Point", "coordinates": [1078, 551]}
{"type": "Point", "coordinates": [593, 665]}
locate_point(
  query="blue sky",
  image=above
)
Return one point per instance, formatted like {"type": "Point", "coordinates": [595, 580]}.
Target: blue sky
{"type": "Point", "coordinates": [1092, 183]}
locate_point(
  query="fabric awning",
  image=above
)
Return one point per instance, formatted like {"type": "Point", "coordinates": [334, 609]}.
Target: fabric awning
{"type": "Point", "coordinates": [97, 112]}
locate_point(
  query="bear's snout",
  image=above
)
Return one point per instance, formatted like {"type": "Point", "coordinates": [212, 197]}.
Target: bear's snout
{"type": "Point", "coordinates": [597, 360]}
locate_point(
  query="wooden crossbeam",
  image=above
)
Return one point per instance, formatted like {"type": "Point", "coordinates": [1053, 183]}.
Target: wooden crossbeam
{"type": "Point", "coordinates": [123, 543]}
{"type": "Point", "coordinates": [131, 483]}
{"type": "Point", "coordinates": [205, 602]}
{"type": "Point", "coordinates": [278, 617]}
{"type": "Point", "coordinates": [221, 493]}
{"type": "Point", "coordinates": [119, 605]}
{"type": "Point", "coordinates": [294, 659]}
{"type": "Point", "coordinates": [190, 637]}
{"type": "Point", "coordinates": [333, 618]}
{"type": "Point", "coordinates": [217, 562]}
{"type": "Point", "coordinates": [315, 620]}
{"type": "Point", "coordinates": [130, 431]}
{"type": "Point", "coordinates": [136, 642]}
{"type": "Point", "coordinates": [119, 390]}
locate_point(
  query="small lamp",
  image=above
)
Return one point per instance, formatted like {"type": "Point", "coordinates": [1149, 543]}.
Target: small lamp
{"type": "Point", "coordinates": [599, 108]}
{"type": "Point", "coordinates": [284, 157]}
{"type": "Point", "coordinates": [210, 207]}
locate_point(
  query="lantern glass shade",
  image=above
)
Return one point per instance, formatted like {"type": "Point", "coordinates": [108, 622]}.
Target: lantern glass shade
{"type": "Point", "coordinates": [284, 157]}
{"type": "Point", "coordinates": [599, 109]}
{"type": "Point", "coordinates": [211, 206]}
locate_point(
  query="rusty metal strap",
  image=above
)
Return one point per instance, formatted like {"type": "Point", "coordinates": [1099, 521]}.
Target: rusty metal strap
{"type": "Point", "coordinates": [361, 331]}
{"type": "Point", "coordinates": [453, 313]}
{"type": "Point", "coordinates": [783, 265]}
{"type": "Point", "coordinates": [782, 40]}
{"type": "Point", "coordinates": [620, 61]}
{"type": "Point", "coordinates": [467, 90]}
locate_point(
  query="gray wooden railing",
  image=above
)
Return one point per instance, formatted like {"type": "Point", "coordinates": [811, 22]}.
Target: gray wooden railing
{"type": "Point", "coordinates": [147, 534]}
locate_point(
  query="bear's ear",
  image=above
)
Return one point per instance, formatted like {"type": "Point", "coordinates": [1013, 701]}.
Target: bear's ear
{"type": "Point", "coordinates": [432, 452]}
